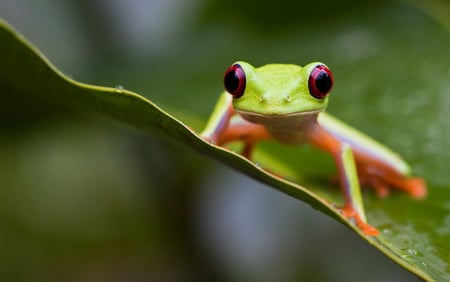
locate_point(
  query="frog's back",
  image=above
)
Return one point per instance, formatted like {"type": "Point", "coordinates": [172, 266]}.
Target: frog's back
{"type": "Point", "coordinates": [363, 144]}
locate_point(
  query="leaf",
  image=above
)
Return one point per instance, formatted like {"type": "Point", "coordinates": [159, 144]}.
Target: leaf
{"type": "Point", "coordinates": [415, 234]}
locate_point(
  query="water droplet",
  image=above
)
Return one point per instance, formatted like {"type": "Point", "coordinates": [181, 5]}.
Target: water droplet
{"type": "Point", "coordinates": [410, 253]}
{"type": "Point", "coordinates": [258, 164]}
{"type": "Point", "coordinates": [119, 89]}
{"type": "Point", "coordinates": [405, 256]}
{"type": "Point", "coordinates": [413, 252]}
{"type": "Point", "coordinates": [387, 232]}
{"type": "Point", "coordinates": [287, 98]}
{"type": "Point", "coordinates": [261, 99]}
{"type": "Point", "coordinates": [424, 264]}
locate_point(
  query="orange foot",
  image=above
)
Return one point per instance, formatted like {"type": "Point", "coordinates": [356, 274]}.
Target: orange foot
{"type": "Point", "coordinates": [350, 213]}
{"type": "Point", "coordinates": [416, 187]}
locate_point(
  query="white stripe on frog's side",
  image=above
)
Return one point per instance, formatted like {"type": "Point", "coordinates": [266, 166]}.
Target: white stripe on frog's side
{"type": "Point", "coordinates": [363, 143]}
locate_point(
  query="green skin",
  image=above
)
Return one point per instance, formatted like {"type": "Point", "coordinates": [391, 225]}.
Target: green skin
{"type": "Point", "coordinates": [277, 104]}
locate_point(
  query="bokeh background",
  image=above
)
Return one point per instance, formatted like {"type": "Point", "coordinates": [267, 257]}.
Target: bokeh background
{"type": "Point", "coordinates": [84, 198]}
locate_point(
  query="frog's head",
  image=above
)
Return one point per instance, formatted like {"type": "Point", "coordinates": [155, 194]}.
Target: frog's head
{"type": "Point", "coordinates": [278, 89]}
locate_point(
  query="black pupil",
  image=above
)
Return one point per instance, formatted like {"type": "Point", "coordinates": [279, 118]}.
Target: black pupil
{"type": "Point", "coordinates": [323, 82]}
{"type": "Point", "coordinates": [232, 81]}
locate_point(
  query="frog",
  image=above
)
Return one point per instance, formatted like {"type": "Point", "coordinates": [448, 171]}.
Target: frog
{"type": "Point", "coordinates": [287, 103]}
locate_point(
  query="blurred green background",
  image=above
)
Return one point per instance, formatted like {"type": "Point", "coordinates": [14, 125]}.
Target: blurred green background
{"type": "Point", "coordinates": [84, 198]}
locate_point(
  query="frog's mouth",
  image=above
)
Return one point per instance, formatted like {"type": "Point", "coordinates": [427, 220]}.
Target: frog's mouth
{"type": "Point", "coordinates": [280, 120]}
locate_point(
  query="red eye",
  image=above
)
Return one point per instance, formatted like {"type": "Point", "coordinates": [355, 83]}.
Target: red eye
{"type": "Point", "coordinates": [320, 82]}
{"type": "Point", "coordinates": [234, 80]}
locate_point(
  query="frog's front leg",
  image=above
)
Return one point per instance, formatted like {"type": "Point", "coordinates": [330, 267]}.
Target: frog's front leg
{"type": "Point", "coordinates": [354, 206]}
{"type": "Point", "coordinates": [348, 176]}
{"type": "Point", "coordinates": [225, 126]}
{"type": "Point", "coordinates": [219, 120]}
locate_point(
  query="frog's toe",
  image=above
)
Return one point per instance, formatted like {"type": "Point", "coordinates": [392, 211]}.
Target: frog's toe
{"type": "Point", "coordinates": [416, 187]}
{"type": "Point", "coordinates": [350, 213]}
{"type": "Point", "coordinates": [382, 190]}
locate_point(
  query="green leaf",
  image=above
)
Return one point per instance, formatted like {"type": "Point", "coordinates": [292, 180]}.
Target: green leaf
{"type": "Point", "coordinates": [415, 234]}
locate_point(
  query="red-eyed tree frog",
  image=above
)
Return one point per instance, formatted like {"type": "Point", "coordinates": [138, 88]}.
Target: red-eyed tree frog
{"type": "Point", "coordinates": [286, 102]}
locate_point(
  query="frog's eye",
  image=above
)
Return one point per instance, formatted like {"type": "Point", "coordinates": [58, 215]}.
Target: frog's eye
{"type": "Point", "coordinates": [234, 80]}
{"type": "Point", "coordinates": [320, 82]}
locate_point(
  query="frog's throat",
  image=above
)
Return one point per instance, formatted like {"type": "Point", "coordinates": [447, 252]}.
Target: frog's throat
{"type": "Point", "coordinates": [281, 121]}
{"type": "Point", "coordinates": [278, 116]}
{"type": "Point", "coordinates": [290, 128]}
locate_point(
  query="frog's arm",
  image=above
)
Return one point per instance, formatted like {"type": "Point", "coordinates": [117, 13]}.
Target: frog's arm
{"type": "Point", "coordinates": [219, 119]}
{"type": "Point", "coordinates": [354, 207]}
{"type": "Point", "coordinates": [348, 176]}
{"type": "Point", "coordinates": [225, 126]}
{"type": "Point", "coordinates": [352, 188]}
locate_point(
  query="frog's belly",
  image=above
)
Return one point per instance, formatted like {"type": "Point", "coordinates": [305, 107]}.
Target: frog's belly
{"type": "Point", "coordinates": [288, 136]}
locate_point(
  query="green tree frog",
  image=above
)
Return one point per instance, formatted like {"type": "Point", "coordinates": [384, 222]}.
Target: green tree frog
{"type": "Point", "coordinates": [286, 102]}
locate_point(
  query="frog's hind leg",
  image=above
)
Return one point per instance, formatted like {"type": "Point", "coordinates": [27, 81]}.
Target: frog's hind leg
{"type": "Point", "coordinates": [384, 178]}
